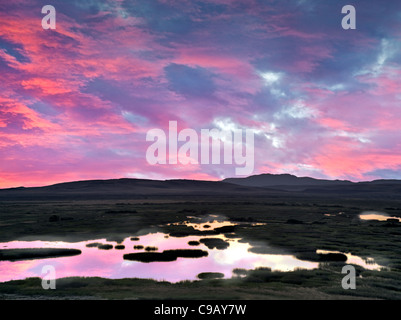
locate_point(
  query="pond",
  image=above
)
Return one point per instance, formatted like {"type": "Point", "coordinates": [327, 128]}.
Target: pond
{"type": "Point", "coordinates": [379, 216]}
{"type": "Point", "coordinates": [156, 255]}
{"type": "Point", "coordinates": [95, 262]}
{"type": "Point", "coordinates": [367, 263]}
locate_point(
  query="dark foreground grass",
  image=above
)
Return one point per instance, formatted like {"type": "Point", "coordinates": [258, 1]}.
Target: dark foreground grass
{"type": "Point", "coordinates": [341, 231]}
{"type": "Point", "coordinates": [260, 284]}
{"type": "Point", "coordinates": [210, 275]}
{"type": "Point", "coordinates": [166, 255]}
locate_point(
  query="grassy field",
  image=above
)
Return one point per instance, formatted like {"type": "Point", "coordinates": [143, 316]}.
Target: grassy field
{"type": "Point", "coordinates": [298, 226]}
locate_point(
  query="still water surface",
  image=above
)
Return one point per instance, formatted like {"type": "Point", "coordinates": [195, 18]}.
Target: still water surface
{"type": "Point", "coordinates": [95, 262]}
{"type": "Point", "coordinates": [379, 216]}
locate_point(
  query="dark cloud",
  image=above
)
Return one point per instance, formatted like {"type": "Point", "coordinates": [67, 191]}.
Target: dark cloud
{"type": "Point", "coordinates": [14, 49]}
{"type": "Point", "coordinates": [190, 82]}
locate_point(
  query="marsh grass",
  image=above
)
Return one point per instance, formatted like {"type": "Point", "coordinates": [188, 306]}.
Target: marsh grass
{"type": "Point", "coordinates": [210, 275]}
{"type": "Point", "coordinates": [166, 255]}
{"type": "Point", "coordinates": [36, 253]}
{"type": "Point", "coordinates": [344, 233]}
{"type": "Point", "coordinates": [259, 284]}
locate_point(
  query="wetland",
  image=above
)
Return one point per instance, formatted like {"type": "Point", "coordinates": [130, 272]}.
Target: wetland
{"type": "Point", "coordinates": [197, 247]}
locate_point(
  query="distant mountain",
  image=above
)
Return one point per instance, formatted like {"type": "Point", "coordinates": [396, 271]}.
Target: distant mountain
{"type": "Point", "coordinates": [284, 180]}
{"type": "Point", "coordinates": [382, 181]}
{"type": "Point", "coordinates": [126, 189]}
{"type": "Point", "coordinates": [264, 185]}
{"type": "Point", "coordinates": [290, 182]}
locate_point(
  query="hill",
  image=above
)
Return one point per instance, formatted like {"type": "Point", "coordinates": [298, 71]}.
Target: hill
{"type": "Point", "coordinates": [264, 185]}
{"type": "Point", "coordinates": [284, 181]}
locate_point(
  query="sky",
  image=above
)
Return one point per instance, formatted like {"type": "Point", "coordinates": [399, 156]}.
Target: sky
{"type": "Point", "coordinates": [76, 102]}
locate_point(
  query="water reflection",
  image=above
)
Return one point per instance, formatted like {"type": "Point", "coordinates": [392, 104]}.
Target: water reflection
{"type": "Point", "coordinates": [379, 216]}
{"type": "Point", "coordinates": [93, 262]}
{"type": "Point", "coordinates": [205, 226]}
{"type": "Point", "coordinates": [210, 222]}
{"type": "Point", "coordinates": [367, 263]}
{"type": "Point", "coordinates": [102, 258]}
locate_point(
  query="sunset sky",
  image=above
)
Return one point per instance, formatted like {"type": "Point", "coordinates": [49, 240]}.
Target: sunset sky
{"type": "Point", "coordinates": [76, 102]}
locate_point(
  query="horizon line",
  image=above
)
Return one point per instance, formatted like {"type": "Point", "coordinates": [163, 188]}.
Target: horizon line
{"type": "Point", "coordinates": [187, 179]}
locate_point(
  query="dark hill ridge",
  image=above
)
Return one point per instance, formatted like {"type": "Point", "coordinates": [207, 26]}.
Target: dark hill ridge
{"type": "Point", "coordinates": [270, 180]}
{"type": "Point", "coordinates": [291, 182]}
{"type": "Point", "coordinates": [126, 188]}
{"type": "Point", "coordinates": [264, 185]}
